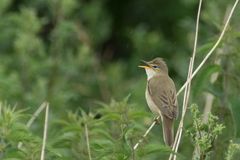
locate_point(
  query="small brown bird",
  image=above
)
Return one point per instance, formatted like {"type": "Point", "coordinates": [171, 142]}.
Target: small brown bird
{"type": "Point", "coordinates": [161, 96]}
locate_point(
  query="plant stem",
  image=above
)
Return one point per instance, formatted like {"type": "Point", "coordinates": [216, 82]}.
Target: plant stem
{"type": "Point", "coordinates": [45, 132]}
{"type": "Point", "coordinates": [87, 141]}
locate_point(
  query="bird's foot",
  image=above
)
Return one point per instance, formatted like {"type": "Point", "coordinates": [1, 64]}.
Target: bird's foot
{"type": "Point", "coordinates": [157, 120]}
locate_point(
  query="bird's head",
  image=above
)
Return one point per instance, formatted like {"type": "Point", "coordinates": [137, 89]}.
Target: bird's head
{"type": "Point", "coordinates": [157, 66]}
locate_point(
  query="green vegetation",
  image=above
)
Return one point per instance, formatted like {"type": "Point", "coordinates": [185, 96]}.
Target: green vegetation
{"type": "Point", "coordinates": [203, 134]}
{"type": "Point", "coordinates": [81, 56]}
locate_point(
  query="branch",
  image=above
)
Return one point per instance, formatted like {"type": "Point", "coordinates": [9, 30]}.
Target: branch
{"type": "Point", "coordinates": [145, 134]}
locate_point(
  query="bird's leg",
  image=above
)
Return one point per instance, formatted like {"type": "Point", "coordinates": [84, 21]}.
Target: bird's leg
{"type": "Point", "coordinates": [157, 120]}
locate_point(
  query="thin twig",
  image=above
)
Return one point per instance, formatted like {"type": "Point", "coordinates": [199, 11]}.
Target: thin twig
{"type": "Point", "coordinates": [45, 132]}
{"type": "Point", "coordinates": [201, 64]}
{"type": "Point", "coordinates": [32, 119]}
{"type": "Point", "coordinates": [145, 134]}
{"type": "Point", "coordinates": [133, 153]}
{"type": "Point", "coordinates": [87, 141]}
{"type": "Point", "coordinates": [36, 114]}
{"type": "Point", "coordinates": [196, 37]}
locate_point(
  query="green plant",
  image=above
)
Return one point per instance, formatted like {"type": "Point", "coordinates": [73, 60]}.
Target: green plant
{"type": "Point", "coordinates": [233, 151]}
{"type": "Point", "coordinates": [203, 135]}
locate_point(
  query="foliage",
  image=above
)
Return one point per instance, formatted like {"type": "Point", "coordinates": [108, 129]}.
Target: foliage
{"type": "Point", "coordinates": [233, 151]}
{"type": "Point", "coordinates": [112, 134]}
{"type": "Point", "coordinates": [16, 140]}
{"type": "Point", "coordinates": [204, 135]}
{"type": "Point", "coordinates": [80, 54]}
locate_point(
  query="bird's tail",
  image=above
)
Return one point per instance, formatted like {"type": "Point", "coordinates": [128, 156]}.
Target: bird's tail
{"type": "Point", "coordinates": [168, 130]}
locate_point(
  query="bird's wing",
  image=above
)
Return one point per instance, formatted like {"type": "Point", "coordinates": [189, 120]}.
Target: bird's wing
{"type": "Point", "coordinates": [163, 94]}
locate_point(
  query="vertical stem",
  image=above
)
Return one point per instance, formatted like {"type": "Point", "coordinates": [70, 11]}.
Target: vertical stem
{"type": "Point", "coordinates": [45, 133]}
{"type": "Point", "coordinates": [185, 102]}
{"type": "Point", "coordinates": [188, 86]}
{"type": "Point", "coordinates": [133, 154]}
{"type": "Point", "coordinates": [87, 140]}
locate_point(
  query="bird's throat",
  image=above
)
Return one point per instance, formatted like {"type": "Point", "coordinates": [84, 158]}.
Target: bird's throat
{"type": "Point", "coordinates": [150, 73]}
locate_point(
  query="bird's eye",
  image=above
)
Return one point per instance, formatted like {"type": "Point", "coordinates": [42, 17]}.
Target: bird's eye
{"type": "Point", "coordinates": [155, 66]}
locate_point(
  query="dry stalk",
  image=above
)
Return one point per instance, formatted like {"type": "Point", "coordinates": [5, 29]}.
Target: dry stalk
{"type": "Point", "coordinates": [45, 132]}
{"type": "Point", "coordinates": [87, 141]}
{"type": "Point", "coordinates": [145, 134]}
{"type": "Point", "coordinates": [185, 102]}
{"type": "Point", "coordinates": [32, 119]}
{"type": "Point", "coordinates": [187, 89]}
{"type": "Point", "coordinates": [36, 114]}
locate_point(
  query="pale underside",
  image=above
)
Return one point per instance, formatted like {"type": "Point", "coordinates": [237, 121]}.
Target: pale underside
{"type": "Point", "coordinates": [161, 94]}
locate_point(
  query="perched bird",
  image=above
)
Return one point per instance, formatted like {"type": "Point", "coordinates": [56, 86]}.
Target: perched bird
{"type": "Point", "coordinates": [161, 96]}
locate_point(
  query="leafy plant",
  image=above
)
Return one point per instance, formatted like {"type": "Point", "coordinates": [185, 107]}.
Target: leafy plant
{"type": "Point", "coordinates": [203, 135]}
{"type": "Point", "coordinates": [233, 151]}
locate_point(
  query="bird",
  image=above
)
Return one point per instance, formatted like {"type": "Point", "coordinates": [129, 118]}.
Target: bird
{"type": "Point", "coordinates": [161, 96]}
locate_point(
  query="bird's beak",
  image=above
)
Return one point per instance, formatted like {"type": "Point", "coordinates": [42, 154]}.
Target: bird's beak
{"type": "Point", "coordinates": [146, 66]}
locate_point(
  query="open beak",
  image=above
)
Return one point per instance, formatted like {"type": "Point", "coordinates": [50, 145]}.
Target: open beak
{"type": "Point", "coordinates": [144, 66]}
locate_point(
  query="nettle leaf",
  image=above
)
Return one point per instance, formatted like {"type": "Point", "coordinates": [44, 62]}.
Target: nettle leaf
{"type": "Point", "coordinates": [204, 134]}
{"type": "Point", "coordinates": [53, 151]}
{"type": "Point", "coordinates": [138, 114]}
{"type": "Point", "coordinates": [101, 144]}
{"type": "Point", "coordinates": [101, 133]}
{"type": "Point", "coordinates": [63, 138]}
{"type": "Point", "coordinates": [111, 117]}
{"type": "Point", "coordinates": [155, 148]}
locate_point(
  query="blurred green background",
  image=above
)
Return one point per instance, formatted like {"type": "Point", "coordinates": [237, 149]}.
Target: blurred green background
{"type": "Point", "coordinates": [79, 55]}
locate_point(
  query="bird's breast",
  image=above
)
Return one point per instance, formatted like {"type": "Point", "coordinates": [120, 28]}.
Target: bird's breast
{"type": "Point", "coordinates": [151, 104]}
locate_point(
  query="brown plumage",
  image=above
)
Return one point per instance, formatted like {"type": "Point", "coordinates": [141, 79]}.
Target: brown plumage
{"type": "Point", "coordinates": [161, 96]}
